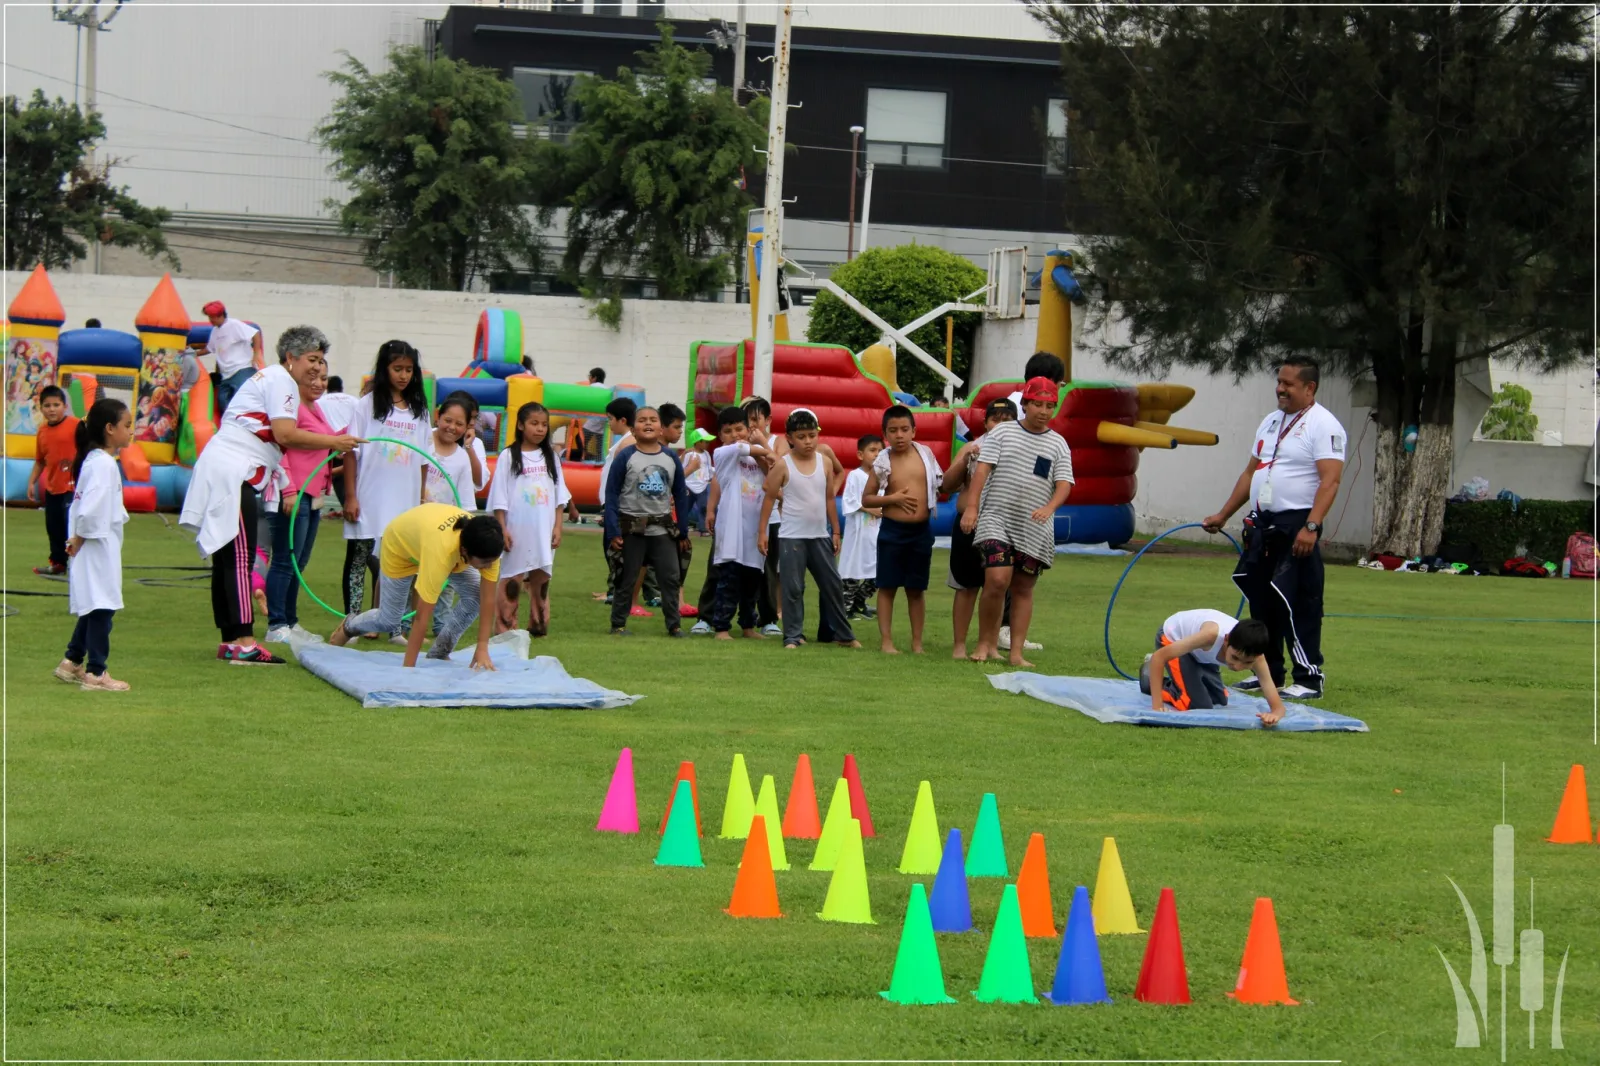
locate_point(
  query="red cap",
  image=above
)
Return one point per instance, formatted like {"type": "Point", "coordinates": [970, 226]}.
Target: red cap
{"type": "Point", "coordinates": [1041, 389]}
{"type": "Point", "coordinates": [214, 308]}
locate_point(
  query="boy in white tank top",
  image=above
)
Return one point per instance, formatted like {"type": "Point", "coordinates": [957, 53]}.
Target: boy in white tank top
{"type": "Point", "coordinates": [808, 535]}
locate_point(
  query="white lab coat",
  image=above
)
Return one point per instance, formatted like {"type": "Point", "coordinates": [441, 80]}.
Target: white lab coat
{"type": "Point", "coordinates": [94, 575]}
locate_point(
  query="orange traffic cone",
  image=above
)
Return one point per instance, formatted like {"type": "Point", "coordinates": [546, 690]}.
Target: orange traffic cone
{"type": "Point", "coordinates": [685, 773]}
{"type": "Point", "coordinates": [800, 818]}
{"type": "Point", "coordinates": [1033, 891]}
{"type": "Point", "coordinates": [755, 892]}
{"type": "Point", "coordinates": [1261, 976]}
{"type": "Point", "coordinates": [1572, 820]}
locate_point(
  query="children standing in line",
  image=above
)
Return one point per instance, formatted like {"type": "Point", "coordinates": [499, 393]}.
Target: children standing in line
{"type": "Point", "coordinates": [643, 492]}
{"type": "Point", "coordinates": [95, 520]}
{"type": "Point", "coordinates": [451, 457]}
{"type": "Point", "coordinates": [905, 484]}
{"type": "Point", "coordinates": [858, 552]}
{"type": "Point", "coordinates": [734, 520]}
{"type": "Point", "coordinates": [383, 482]}
{"type": "Point", "coordinates": [1024, 473]}
{"type": "Point", "coordinates": [55, 449]}
{"type": "Point", "coordinates": [526, 496]}
{"type": "Point", "coordinates": [808, 535]}
{"type": "Point", "coordinates": [966, 565]}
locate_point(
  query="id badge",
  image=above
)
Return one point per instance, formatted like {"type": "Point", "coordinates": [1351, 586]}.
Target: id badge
{"type": "Point", "coordinates": [1264, 501]}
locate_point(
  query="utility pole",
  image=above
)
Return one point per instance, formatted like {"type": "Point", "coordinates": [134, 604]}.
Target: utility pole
{"type": "Point", "coordinates": [866, 207]}
{"type": "Point", "coordinates": [740, 36]}
{"type": "Point", "coordinates": [88, 17]}
{"type": "Point", "coordinates": [772, 216]}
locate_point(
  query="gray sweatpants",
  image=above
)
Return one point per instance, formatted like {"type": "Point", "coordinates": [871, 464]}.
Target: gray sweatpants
{"type": "Point", "coordinates": [394, 600]}
{"type": "Point", "coordinates": [795, 558]}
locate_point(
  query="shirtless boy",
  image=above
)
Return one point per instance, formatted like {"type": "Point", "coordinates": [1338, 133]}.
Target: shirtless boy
{"type": "Point", "coordinates": [905, 483]}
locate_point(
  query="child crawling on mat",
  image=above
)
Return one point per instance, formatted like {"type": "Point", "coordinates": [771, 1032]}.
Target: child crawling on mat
{"type": "Point", "coordinates": [1191, 649]}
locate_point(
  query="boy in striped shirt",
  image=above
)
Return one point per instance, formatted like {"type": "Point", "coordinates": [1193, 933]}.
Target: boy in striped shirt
{"type": "Point", "coordinates": [1023, 474]}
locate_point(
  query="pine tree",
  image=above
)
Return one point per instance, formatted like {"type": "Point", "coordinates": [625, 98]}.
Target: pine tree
{"type": "Point", "coordinates": [1394, 191]}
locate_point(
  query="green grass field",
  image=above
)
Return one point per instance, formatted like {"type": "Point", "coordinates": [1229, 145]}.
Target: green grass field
{"type": "Point", "coordinates": [242, 863]}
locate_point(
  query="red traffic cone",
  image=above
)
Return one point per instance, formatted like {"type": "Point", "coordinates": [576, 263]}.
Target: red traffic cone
{"type": "Point", "coordinates": [685, 773]}
{"type": "Point", "coordinates": [858, 796]}
{"type": "Point", "coordinates": [1163, 978]}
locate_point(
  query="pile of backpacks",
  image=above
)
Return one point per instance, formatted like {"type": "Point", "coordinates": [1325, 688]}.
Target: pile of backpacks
{"type": "Point", "coordinates": [1464, 560]}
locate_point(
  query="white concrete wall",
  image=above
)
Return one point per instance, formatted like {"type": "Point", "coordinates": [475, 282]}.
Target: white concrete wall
{"type": "Point", "coordinates": [1189, 483]}
{"type": "Point", "coordinates": [651, 349]}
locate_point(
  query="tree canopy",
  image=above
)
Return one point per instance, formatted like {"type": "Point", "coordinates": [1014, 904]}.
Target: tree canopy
{"type": "Point", "coordinates": [1391, 190]}
{"type": "Point", "coordinates": [56, 202]}
{"type": "Point", "coordinates": [901, 285]}
{"type": "Point", "coordinates": [439, 176]}
{"type": "Point", "coordinates": [651, 179]}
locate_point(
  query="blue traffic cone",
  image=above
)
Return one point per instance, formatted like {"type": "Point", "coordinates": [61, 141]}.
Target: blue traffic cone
{"type": "Point", "coordinates": [952, 910]}
{"type": "Point", "coordinates": [1079, 975]}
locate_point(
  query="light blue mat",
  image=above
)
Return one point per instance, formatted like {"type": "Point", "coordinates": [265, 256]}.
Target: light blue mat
{"type": "Point", "coordinates": [1115, 700]}
{"type": "Point", "coordinates": [377, 679]}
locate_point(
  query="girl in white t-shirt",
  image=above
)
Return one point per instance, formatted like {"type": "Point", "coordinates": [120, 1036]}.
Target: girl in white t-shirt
{"type": "Point", "coordinates": [451, 457]}
{"type": "Point", "coordinates": [527, 495]}
{"type": "Point", "coordinates": [94, 526]}
{"type": "Point", "coordinates": [384, 481]}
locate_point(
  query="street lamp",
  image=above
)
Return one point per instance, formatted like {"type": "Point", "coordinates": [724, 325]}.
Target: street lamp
{"type": "Point", "coordinates": [850, 241]}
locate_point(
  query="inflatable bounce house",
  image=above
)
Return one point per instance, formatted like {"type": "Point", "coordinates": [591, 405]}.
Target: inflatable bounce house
{"type": "Point", "coordinates": [144, 369]}
{"type": "Point", "coordinates": [497, 380]}
{"type": "Point", "coordinates": [1105, 423]}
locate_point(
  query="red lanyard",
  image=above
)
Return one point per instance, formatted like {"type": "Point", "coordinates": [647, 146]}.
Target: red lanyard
{"type": "Point", "coordinates": [1284, 432]}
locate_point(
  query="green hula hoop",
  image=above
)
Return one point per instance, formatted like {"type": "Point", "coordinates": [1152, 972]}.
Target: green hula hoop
{"type": "Point", "coordinates": [295, 510]}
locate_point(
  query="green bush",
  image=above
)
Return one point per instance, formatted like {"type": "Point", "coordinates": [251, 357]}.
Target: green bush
{"type": "Point", "coordinates": [1541, 527]}
{"type": "Point", "coordinates": [901, 284]}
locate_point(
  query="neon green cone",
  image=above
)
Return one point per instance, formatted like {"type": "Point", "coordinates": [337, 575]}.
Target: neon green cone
{"type": "Point", "coordinates": [1007, 977]}
{"type": "Point", "coordinates": [918, 977]}
{"type": "Point", "coordinates": [922, 851]}
{"type": "Point", "coordinates": [987, 855]}
{"type": "Point", "coordinates": [740, 805]}
{"type": "Point", "coordinates": [848, 900]}
{"type": "Point", "coordinates": [680, 844]}
{"type": "Point", "coordinates": [767, 806]}
{"type": "Point", "coordinates": [834, 828]}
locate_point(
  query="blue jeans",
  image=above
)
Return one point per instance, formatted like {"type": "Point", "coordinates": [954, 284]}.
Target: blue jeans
{"type": "Point", "coordinates": [394, 601]}
{"type": "Point", "coordinates": [227, 386]}
{"type": "Point", "coordinates": [283, 588]}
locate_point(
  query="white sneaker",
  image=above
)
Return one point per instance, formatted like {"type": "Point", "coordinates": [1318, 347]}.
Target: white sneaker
{"type": "Point", "coordinates": [278, 635]}
{"type": "Point", "coordinates": [700, 629]}
{"type": "Point", "coordinates": [1301, 692]}
{"type": "Point", "coordinates": [300, 633]}
{"type": "Point", "coordinates": [771, 630]}
{"type": "Point", "coordinates": [1005, 641]}
{"type": "Point", "coordinates": [400, 639]}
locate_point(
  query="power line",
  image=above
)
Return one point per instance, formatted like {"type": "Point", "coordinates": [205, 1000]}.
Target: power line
{"type": "Point", "coordinates": [946, 158]}
{"type": "Point", "coordinates": [223, 173]}
{"type": "Point", "coordinates": [170, 110]}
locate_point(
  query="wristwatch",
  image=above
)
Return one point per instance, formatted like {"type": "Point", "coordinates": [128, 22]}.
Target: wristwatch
{"type": "Point", "coordinates": [1315, 527]}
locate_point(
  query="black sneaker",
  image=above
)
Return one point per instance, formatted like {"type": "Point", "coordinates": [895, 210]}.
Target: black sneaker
{"type": "Point", "coordinates": [255, 655]}
{"type": "Point", "coordinates": [620, 632]}
{"type": "Point", "coordinates": [1249, 684]}
{"type": "Point", "coordinates": [676, 631]}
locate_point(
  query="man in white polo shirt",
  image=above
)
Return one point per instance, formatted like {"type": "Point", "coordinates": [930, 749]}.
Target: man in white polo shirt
{"type": "Point", "coordinates": [1290, 482]}
{"type": "Point", "coordinates": [237, 347]}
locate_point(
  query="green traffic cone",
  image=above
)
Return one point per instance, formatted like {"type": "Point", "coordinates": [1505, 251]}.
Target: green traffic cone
{"type": "Point", "coordinates": [1007, 977]}
{"type": "Point", "coordinates": [987, 855]}
{"type": "Point", "coordinates": [740, 805]}
{"type": "Point", "coordinates": [834, 828]}
{"type": "Point", "coordinates": [918, 977]}
{"type": "Point", "coordinates": [680, 844]}
{"type": "Point", "coordinates": [923, 850]}
{"type": "Point", "coordinates": [848, 898]}
{"type": "Point", "coordinates": [767, 805]}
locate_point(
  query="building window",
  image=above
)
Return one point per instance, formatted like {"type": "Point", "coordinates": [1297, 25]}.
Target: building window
{"type": "Point", "coordinates": [905, 128]}
{"type": "Point", "coordinates": [1056, 158]}
{"type": "Point", "coordinates": [547, 104]}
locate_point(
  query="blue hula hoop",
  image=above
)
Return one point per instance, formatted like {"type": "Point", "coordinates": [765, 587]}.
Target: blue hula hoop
{"type": "Point", "coordinates": [1129, 568]}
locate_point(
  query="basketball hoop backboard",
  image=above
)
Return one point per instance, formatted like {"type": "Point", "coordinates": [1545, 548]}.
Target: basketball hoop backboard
{"type": "Point", "coordinates": [1008, 282]}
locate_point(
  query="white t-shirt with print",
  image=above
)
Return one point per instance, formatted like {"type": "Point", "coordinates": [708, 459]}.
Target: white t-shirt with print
{"type": "Point", "coordinates": [1287, 479]}
{"type": "Point", "coordinates": [1186, 624]}
{"type": "Point", "coordinates": [388, 476]}
{"type": "Point", "coordinates": [270, 394]}
{"type": "Point", "coordinates": [458, 467]}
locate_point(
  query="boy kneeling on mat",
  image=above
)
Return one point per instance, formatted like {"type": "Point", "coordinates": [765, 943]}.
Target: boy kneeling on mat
{"type": "Point", "coordinates": [1196, 645]}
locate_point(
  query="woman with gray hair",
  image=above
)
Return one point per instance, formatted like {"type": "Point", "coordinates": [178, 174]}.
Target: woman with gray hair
{"type": "Point", "coordinates": [237, 463]}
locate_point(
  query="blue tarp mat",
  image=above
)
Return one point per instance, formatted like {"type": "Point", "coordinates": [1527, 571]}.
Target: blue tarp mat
{"type": "Point", "coordinates": [377, 679]}
{"type": "Point", "coordinates": [1115, 700]}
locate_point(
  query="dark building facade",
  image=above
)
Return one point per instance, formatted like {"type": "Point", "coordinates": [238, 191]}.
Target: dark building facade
{"type": "Point", "coordinates": [966, 133]}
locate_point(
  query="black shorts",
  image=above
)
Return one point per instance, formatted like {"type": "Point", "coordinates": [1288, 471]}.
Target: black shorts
{"type": "Point", "coordinates": [905, 554]}
{"type": "Point", "coordinates": [966, 564]}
